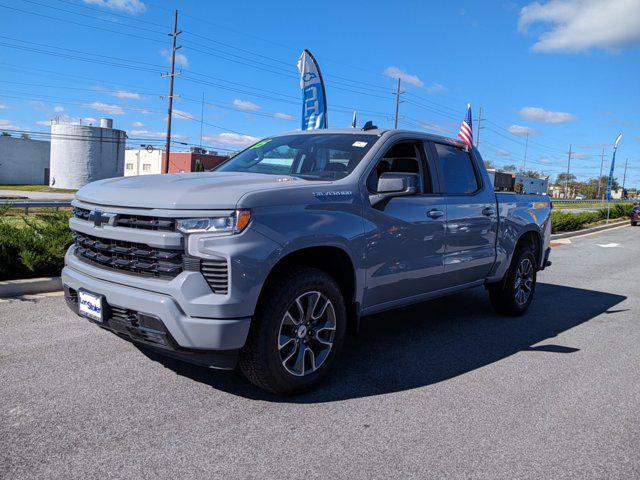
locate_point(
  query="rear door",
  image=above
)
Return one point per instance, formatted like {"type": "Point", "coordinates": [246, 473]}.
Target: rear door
{"type": "Point", "coordinates": [404, 236]}
{"type": "Point", "coordinates": [472, 219]}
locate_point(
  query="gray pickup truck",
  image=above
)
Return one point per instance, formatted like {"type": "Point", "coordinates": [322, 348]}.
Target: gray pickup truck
{"type": "Point", "coordinates": [268, 261]}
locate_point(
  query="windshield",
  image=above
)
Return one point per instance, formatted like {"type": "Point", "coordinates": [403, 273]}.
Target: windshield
{"type": "Point", "coordinates": [327, 156]}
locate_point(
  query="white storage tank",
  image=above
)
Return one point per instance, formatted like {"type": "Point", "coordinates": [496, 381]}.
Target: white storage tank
{"type": "Point", "coordinates": [81, 154]}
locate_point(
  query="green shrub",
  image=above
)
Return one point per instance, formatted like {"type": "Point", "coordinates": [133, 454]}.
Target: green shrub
{"type": "Point", "coordinates": [568, 222]}
{"type": "Point", "coordinates": [33, 246]}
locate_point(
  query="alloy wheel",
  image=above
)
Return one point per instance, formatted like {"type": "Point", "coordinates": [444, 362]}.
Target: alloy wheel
{"type": "Point", "coordinates": [524, 281]}
{"type": "Point", "coordinates": [307, 332]}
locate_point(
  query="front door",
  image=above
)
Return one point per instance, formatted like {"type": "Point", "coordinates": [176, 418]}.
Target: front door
{"type": "Point", "coordinates": [405, 238]}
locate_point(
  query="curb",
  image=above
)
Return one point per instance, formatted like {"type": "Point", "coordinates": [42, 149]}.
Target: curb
{"type": "Point", "coordinates": [577, 233]}
{"type": "Point", "coordinates": [30, 286]}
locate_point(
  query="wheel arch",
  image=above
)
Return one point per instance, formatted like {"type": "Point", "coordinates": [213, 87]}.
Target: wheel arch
{"type": "Point", "coordinates": [333, 259]}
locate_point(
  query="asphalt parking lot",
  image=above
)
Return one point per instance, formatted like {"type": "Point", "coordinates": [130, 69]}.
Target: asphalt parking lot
{"type": "Point", "coordinates": [441, 389]}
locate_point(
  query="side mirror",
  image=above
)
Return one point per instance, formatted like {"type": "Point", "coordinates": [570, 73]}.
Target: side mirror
{"type": "Point", "coordinates": [393, 184]}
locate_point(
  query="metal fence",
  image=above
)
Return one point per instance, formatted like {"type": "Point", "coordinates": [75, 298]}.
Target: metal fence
{"type": "Point", "coordinates": [594, 201]}
{"type": "Point", "coordinates": [27, 205]}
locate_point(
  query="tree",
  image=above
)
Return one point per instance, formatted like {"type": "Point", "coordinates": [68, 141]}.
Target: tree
{"type": "Point", "coordinates": [488, 164]}
{"type": "Point", "coordinates": [509, 168]}
{"type": "Point", "coordinates": [563, 178]}
{"type": "Point", "coordinates": [530, 173]}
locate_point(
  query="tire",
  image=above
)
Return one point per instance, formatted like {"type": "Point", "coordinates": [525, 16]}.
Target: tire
{"type": "Point", "coordinates": [634, 223]}
{"type": "Point", "coordinates": [269, 359]}
{"type": "Point", "coordinates": [506, 297]}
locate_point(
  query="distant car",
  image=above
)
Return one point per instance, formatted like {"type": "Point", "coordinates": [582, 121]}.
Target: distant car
{"type": "Point", "coordinates": [635, 215]}
{"type": "Point", "coordinates": [581, 197]}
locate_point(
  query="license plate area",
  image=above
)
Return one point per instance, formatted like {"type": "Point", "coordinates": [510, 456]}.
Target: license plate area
{"type": "Point", "coordinates": [91, 305]}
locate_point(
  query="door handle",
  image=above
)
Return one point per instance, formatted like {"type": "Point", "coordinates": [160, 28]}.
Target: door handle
{"type": "Point", "coordinates": [435, 213]}
{"type": "Point", "coordinates": [488, 211]}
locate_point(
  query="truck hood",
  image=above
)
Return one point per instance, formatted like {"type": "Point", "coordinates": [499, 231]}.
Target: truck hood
{"type": "Point", "coordinates": [199, 191]}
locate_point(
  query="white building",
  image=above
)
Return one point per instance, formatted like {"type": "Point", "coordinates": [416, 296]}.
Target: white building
{"type": "Point", "coordinates": [81, 154]}
{"type": "Point", "coordinates": [24, 161]}
{"type": "Point", "coordinates": [142, 162]}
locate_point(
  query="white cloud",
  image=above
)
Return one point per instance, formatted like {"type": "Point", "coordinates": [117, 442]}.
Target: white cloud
{"type": "Point", "coordinates": [137, 124]}
{"type": "Point", "coordinates": [151, 134]}
{"type": "Point", "coordinates": [105, 108]}
{"type": "Point", "coordinates": [434, 127]}
{"type": "Point", "coordinates": [581, 25]}
{"type": "Point", "coordinates": [245, 105]}
{"type": "Point", "coordinates": [181, 59]}
{"type": "Point", "coordinates": [88, 120]}
{"type": "Point", "coordinates": [503, 153]}
{"type": "Point", "coordinates": [395, 72]}
{"type": "Point", "coordinates": [537, 114]}
{"type": "Point", "coordinates": [147, 133]}
{"type": "Point", "coordinates": [46, 123]}
{"type": "Point", "coordinates": [435, 88]}
{"type": "Point", "coordinates": [2, 106]}
{"type": "Point", "coordinates": [580, 156]}
{"type": "Point", "coordinates": [58, 109]}
{"type": "Point", "coordinates": [127, 94]}
{"type": "Point", "coordinates": [283, 116]}
{"type": "Point", "coordinates": [6, 124]}
{"type": "Point", "coordinates": [181, 114]}
{"type": "Point", "coordinates": [129, 6]}
{"type": "Point", "coordinates": [520, 130]}
{"type": "Point", "coordinates": [231, 139]}
{"type": "Point", "coordinates": [38, 105]}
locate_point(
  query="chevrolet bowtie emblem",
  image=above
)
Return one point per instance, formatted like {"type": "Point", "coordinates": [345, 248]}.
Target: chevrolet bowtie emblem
{"type": "Point", "coordinates": [100, 218]}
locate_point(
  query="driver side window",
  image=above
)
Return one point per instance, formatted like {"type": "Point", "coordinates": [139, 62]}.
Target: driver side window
{"type": "Point", "coordinates": [403, 157]}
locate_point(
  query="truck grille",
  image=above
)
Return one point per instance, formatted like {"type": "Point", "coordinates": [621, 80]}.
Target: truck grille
{"type": "Point", "coordinates": [133, 221]}
{"type": "Point", "coordinates": [128, 256]}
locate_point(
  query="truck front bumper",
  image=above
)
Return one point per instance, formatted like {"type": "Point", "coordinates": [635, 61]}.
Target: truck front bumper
{"type": "Point", "coordinates": [158, 321]}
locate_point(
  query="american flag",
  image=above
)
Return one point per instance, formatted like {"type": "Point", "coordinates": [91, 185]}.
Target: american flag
{"type": "Point", "coordinates": [466, 129]}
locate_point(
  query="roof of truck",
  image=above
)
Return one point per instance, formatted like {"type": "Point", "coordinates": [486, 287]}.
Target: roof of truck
{"type": "Point", "coordinates": [375, 131]}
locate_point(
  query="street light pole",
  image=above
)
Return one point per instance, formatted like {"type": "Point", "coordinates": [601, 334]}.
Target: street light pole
{"type": "Point", "coordinates": [566, 180]}
{"type": "Point", "coordinates": [600, 176]}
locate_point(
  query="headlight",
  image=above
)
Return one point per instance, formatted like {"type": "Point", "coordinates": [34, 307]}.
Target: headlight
{"type": "Point", "coordinates": [226, 225]}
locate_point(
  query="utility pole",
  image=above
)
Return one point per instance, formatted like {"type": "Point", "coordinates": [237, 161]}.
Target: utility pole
{"type": "Point", "coordinates": [397, 103]}
{"type": "Point", "coordinates": [201, 118]}
{"type": "Point", "coordinates": [526, 146]}
{"type": "Point", "coordinates": [624, 178]}
{"type": "Point", "coordinates": [171, 75]}
{"type": "Point", "coordinates": [566, 180]}
{"type": "Point", "coordinates": [479, 127]}
{"type": "Point", "coordinates": [600, 176]}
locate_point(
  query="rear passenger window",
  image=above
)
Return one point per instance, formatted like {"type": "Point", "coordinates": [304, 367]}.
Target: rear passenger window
{"type": "Point", "coordinates": [457, 169]}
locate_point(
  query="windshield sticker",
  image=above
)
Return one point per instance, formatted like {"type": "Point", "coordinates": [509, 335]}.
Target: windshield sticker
{"type": "Point", "coordinates": [359, 144]}
{"type": "Point", "coordinates": [259, 144]}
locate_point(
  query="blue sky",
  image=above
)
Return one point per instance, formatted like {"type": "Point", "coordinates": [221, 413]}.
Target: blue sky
{"type": "Point", "coordinates": [565, 71]}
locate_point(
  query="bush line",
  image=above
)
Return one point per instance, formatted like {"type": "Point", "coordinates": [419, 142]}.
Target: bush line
{"type": "Point", "coordinates": [570, 222]}
{"type": "Point", "coordinates": [33, 246]}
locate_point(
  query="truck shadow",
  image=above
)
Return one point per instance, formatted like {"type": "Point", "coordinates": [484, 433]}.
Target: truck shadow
{"type": "Point", "coordinates": [431, 342]}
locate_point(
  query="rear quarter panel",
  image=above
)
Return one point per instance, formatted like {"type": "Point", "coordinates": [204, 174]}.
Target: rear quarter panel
{"type": "Point", "coordinates": [517, 215]}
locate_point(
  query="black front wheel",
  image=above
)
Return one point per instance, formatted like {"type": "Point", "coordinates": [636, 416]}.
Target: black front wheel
{"type": "Point", "coordinates": [514, 294]}
{"type": "Point", "coordinates": [296, 333]}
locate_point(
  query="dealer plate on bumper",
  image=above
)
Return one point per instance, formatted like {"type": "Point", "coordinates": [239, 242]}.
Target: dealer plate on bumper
{"type": "Point", "coordinates": [90, 305]}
